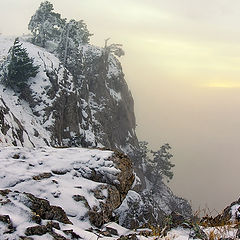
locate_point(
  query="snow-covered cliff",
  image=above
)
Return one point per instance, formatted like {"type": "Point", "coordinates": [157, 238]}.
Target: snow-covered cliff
{"type": "Point", "coordinates": [89, 107]}
{"type": "Point", "coordinates": [93, 108]}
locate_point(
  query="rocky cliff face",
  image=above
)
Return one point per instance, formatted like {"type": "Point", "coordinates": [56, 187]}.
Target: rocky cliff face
{"type": "Point", "coordinates": [11, 128]}
{"type": "Point", "coordinates": [90, 107]}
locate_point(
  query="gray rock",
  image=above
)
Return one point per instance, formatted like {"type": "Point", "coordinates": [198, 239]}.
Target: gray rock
{"type": "Point", "coordinates": [42, 176]}
{"type": "Point", "coordinates": [53, 224]}
{"type": "Point", "coordinates": [72, 234]}
{"type": "Point", "coordinates": [112, 231]}
{"type": "Point", "coordinates": [5, 219]}
{"type": "Point", "coordinates": [46, 211]}
{"type": "Point", "coordinates": [36, 230]}
{"type": "Point", "coordinates": [79, 198]}
{"type": "Point", "coordinates": [103, 215]}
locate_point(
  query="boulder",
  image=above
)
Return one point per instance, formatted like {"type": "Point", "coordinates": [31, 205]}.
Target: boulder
{"type": "Point", "coordinates": [36, 230]}
{"type": "Point", "coordinates": [46, 211]}
{"type": "Point", "coordinates": [126, 175]}
{"type": "Point", "coordinates": [99, 216]}
{"type": "Point", "coordinates": [42, 176]}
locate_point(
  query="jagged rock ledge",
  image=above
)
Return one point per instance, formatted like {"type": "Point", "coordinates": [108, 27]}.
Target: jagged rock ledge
{"type": "Point", "coordinates": [70, 186]}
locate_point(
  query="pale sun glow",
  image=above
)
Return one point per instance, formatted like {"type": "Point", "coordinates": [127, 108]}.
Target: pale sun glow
{"type": "Point", "coordinates": [223, 85]}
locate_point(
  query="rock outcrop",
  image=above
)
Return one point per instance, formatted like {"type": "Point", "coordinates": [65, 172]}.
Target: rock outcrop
{"type": "Point", "coordinates": [231, 214]}
{"type": "Point", "coordinates": [70, 186]}
{"type": "Point", "coordinates": [13, 132]}
{"type": "Point", "coordinates": [37, 216]}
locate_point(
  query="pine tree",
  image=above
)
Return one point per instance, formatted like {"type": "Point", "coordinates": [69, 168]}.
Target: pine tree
{"type": "Point", "coordinates": [45, 24]}
{"type": "Point", "coordinates": [143, 150]}
{"type": "Point", "coordinates": [78, 32]}
{"type": "Point", "coordinates": [18, 67]}
{"type": "Point", "coordinates": [48, 27]}
{"type": "Point", "coordinates": [73, 34]}
{"type": "Point", "coordinates": [161, 165]}
{"type": "Point", "coordinates": [156, 164]}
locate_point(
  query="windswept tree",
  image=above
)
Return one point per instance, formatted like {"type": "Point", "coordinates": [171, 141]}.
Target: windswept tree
{"type": "Point", "coordinates": [18, 67]}
{"type": "Point", "coordinates": [45, 24]}
{"type": "Point", "coordinates": [157, 164]}
{"type": "Point", "coordinates": [114, 48]}
{"type": "Point", "coordinates": [161, 165]}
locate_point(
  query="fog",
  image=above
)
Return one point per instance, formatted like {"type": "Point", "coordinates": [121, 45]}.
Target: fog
{"type": "Point", "coordinates": [182, 65]}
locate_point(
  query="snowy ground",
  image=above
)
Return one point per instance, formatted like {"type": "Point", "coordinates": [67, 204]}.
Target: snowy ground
{"type": "Point", "coordinates": [66, 167]}
{"type": "Point", "coordinates": [66, 174]}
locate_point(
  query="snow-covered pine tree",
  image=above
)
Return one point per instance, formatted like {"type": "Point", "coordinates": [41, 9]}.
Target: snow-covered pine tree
{"type": "Point", "coordinates": [73, 34]}
{"type": "Point", "coordinates": [78, 32]}
{"type": "Point", "coordinates": [18, 67]}
{"type": "Point", "coordinates": [45, 24]}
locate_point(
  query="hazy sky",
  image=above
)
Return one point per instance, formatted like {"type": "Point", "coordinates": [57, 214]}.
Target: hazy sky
{"type": "Point", "coordinates": [182, 65]}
